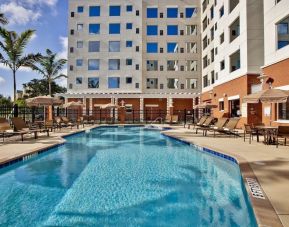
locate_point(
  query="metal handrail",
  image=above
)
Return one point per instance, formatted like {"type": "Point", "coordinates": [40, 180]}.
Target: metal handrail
{"type": "Point", "coordinates": [157, 120]}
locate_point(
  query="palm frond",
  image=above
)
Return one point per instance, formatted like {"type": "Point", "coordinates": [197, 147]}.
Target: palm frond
{"type": "Point", "coordinates": [28, 60]}
{"type": "Point", "coordinates": [3, 19]}
{"type": "Point", "coordinates": [22, 41]}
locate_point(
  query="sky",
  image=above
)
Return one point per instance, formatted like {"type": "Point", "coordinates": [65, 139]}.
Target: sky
{"type": "Point", "coordinates": [49, 20]}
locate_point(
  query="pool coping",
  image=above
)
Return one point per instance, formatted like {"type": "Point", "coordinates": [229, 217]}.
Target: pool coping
{"type": "Point", "coordinates": [264, 212]}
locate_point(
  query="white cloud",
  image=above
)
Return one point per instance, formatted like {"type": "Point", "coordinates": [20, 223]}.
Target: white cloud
{"type": "Point", "coordinates": [40, 2]}
{"type": "Point", "coordinates": [2, 80]}
{"type": "Point", "coordinates": [18, 14]}
{"type": "Point", "coordinates": [21, 69]}
{"type": "Point", "coordinates": [64, 44]}
{"type": "Point", "coordinates": [33, 37]}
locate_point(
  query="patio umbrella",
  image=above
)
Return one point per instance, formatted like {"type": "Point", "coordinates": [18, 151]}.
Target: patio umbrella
{"type": "Point", "coordinates": [106, 106]}
{"type": "Point", "coordinates": [268, 96]}
{"type": "Point", "coordinates": [205, 106]}
{"type": "Point", "coordinates": [73, 105]}
{"type": "Point", "coordinates": [43, 101]}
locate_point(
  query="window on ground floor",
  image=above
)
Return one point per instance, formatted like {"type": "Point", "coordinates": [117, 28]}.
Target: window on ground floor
{"type": "Point", "coordinates": [283, 111]}
{"type": "Point", "coordinates": [221, 105]}
{"type": "Point", "coordinates": [235, 108]}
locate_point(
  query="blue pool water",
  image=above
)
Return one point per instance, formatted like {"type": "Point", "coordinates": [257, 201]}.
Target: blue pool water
{"type": "Point", "coordinates": [124, 177]}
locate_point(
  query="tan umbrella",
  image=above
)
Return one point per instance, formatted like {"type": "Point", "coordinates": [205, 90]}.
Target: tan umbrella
{"type": "Point", "coordinates": [268, 96]}
{"type": "Point", "coordinates": [73, 105]}
{"type": "Point", "coordinates": [205, 106]}
{"type": "Point", "coordinates": [106, 106]}
{"type": "Point", "coordinates": [43, 101]}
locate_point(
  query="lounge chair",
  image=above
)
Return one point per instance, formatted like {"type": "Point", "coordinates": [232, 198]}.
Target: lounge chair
{"type": "Point", "coordinates": [200, 122]}
{"type": "Point", "coordinates": [219, 125]}
{"type": "Point", "coordinates": [6, 130]}
{"type": "Point", "coordinates": [175, 119]}
{"type": "Point", "coordinates": [69, 123]}
{"type": "Point", "coordinates": [21, 128]}
{"type": "Point", "coordinates": [208, 122]}
{"type": "Point", "coordinates": [230, 127]}
{"type": "Point", "coordinates": [282, 132]}
{"type": "Point", "coordinates": [168, 119]}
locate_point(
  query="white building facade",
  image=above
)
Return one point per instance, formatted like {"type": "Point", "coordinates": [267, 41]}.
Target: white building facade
{"type": "Point", "coordinates": [138, 52]}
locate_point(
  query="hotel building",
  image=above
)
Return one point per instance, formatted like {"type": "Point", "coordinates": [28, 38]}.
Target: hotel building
{"type": "Point", "coordinates": [276, 65]}
{"type": "Point", "coordinates": [232, 55]}
{"type": "Point", "coordinates": [140, 54]}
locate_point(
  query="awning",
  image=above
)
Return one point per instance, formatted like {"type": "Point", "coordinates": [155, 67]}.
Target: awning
{"type": "Point", "coordinates": [106, 106]}
{"type": "Point", "coordinates": [152, 105]}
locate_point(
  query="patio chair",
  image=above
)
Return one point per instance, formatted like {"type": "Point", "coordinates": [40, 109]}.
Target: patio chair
{"type": "Point", "coordinates": [168, 119]}
{"type": "Point", "coordinates": [282, 133]}
{"type": "Point", "coordinates": [50, 125]}
{"type": "Point", "coordinates": [6, 130]}
{"type": "Point", "coordinates": [21, 127]}
{"type": "Point", "coordinates": [208, 122]}
{"type": "Point", "coordinates": [175, 119]}
{"type": "Point", "coordinates": [249, 132]}
{"type": "Point", "coordinates": [200, 122]}
{"type": "Point", "coordinates": [69, 123]}
{"type": "Point", "coordinates": [219, 125]}
{"type": "Point", "coordinates": [230, 127]}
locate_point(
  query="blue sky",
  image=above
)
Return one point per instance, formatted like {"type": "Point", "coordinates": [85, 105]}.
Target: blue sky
{"type": "Point", "coordinates": [49, 19]}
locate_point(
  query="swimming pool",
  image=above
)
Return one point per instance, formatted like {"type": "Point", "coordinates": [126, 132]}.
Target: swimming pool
{"type": "Point", "coordinates": [124, 177]}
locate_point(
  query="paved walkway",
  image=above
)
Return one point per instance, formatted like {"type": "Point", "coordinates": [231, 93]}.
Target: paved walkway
{"type": "Point", "coordinates": [269, 164]}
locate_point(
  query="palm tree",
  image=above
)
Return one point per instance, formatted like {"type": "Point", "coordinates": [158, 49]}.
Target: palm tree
{"type": "Point", "coordinates": [49, 67]}
{"type": "Point", "coordinates": [3, 19]}
{"type": "Point", "coordinates": [13, 46]}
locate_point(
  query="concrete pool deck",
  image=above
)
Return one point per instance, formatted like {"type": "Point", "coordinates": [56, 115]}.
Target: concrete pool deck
{"type": "Point", "coordinates": [266, 163]}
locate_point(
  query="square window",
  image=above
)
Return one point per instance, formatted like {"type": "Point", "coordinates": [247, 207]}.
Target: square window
{"type": "Point", "coordinates": [190, 12]}
{"type": "Point", "coordinates": [113, 82]}
{"type": "Point", "coordinates": [152, 12]}
{"type": "Point", "coordinates": [93, 46]}
{"type": "Point", "coordinates": [129, 8]}
{"type": "Point", "coordinates": [94, 11]}
{"type": "Point", "coordinates": [114, 64]}
{"type": "Point", "coordinates": [114, 46]}
{"type": "Point", "coordinates": [79, 27]}
{"type": "Point", "coordinates": [129, 61]}
{"type": "Point", "coordinates": [172, 12]}
{"type": "Point", "coordinates": [79, 44]}
{"type": "Point", "coordinates": [128, 26]}
{"type": "Point", "coordinates": [152, 47]}
{"type": "Point", "coordinates": [114, 28]}
{"type": "Point", "coordinates": [79, 62]}
{"type": "Point", "coordinates": [78, 80]}
{"type": "Point", "coordinates": [172, 47]}
{"type": "Point", "coordinates": [172, 29]}
{"type": "Point", "coordinates": [94, 29]}
{"type": "Point", "coordinates": [80, 9]}
{"type": "Point", "coordinates": [93, 82]}
{"type": "Point", "coordinates": [114, 11]}
{"type": "Point", "coordinates": [283, 28]}
{"type": "Point", "coordinates": [129, 43]}
{"type": "Point", "coordinates": [152, 30]}
{"type": "Point", "coordinates": [128, 80]}
{"type": "Point", "coordinates": [93, 64]}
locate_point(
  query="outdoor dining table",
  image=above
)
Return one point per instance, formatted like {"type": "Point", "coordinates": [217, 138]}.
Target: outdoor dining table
{"type": "Point", "coordinates": [268, 131]}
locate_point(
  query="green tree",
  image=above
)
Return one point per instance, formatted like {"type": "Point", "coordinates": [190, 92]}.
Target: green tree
{"type": "Point", "coordinates": [5, 101]}
{"type": "Point", "coordinates": [50, 68]}
{"type": "Point", "coordinates": [3, 19]}
{"type": "Point", "coordinates": [14, 46]}
{"type": "Point", "coordinates": [37, 87]}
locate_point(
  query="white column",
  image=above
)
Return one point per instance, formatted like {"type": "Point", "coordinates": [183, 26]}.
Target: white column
{"type": "Point", "coordinates": [170, 103]}
{"type": "Point", "coordinates": [116, 110]}
{"type": "Point", "coordinates": [141, 108]}
{"type": "Point", "coordinates": [90, 106]}
{"type": "Point", "coordinates": [84, 106]}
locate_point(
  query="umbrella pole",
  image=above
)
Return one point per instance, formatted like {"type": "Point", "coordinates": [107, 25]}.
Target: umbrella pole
{"type": "Point", "coordinates": [271, 105]}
